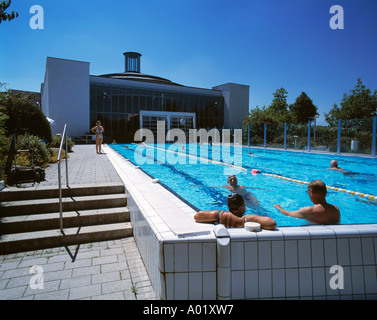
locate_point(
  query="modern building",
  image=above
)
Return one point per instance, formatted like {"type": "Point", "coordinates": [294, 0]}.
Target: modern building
{"type": "Point", "coordinates": [127, 101]}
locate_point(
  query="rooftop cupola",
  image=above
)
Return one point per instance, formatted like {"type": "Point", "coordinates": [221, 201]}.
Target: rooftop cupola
{"type": "Point", "coordinates": [132, 61]}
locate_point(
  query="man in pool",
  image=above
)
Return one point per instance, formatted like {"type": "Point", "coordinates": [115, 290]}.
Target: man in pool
{"type": "Point", "coordinates": [322, 212]}
{"type": "Point", "coordinates": [241, 190]}
{"type": "Point", "coordinates": [334, 165]}
{"type": "Point", "coordinates": [236, 217]}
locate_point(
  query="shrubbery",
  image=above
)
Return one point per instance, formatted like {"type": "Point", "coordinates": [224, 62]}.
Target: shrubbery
{"type": "Point", "coordinates": [22, 113]}
{"type": "Point", "coordinates": [16, 112]}
{"type": "Point", "coordinates": [41, 154]}
{"type": "Point", "coordinates": [56, 140]}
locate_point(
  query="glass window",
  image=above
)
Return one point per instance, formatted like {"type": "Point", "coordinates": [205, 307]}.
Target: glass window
{"type": "Point", "coordinates": [115, 100]}
{"type": "Point", "coordinates": [114, 125]}
{"type": "Point", "coordinates": [107, 99]}
{"type": "Point", "coordinates": [128, 104]}
{"type": "Point", "coordinates": [168, 103]}
{"type": "Point", "coordinates": [122, 104]}
{"type": "Point", "coordinates": [93, 98]}
{"type": "Point", "coordinates": [136, 102]}
{"type": "Point", "coordinates": [122, 125]}
{"type": "Point", "coordinates": [99, 94]}
{"type": "Point", "coordinates": [106, 123]}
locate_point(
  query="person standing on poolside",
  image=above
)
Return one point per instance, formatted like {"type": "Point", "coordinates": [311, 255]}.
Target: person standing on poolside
{"type": "Point", "coordinates": [98, 130]}
{"type": "Point", "coordinates": [322, 212]}
{"type": "Point", "coordinates": [236, 217]}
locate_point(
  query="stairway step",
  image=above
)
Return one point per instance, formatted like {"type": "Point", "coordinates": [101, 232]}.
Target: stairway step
{"type": "Point", "coordinates": [30, 241]}
{"type": "Point", "coordinates": [38, 206]}
{"type": "Point", "coordinates": [10, 194]}
{"type": "Point", "coordinates": [48, 221]}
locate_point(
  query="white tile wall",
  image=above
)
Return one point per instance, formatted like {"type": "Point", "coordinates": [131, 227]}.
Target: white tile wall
{"type": "Point", "coordinates": [288, 263]}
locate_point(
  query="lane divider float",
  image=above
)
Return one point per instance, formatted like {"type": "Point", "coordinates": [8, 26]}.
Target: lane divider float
{"type": "Point", "coordinates": [360, 194]}
{"type": "Point", "coordinates": [256, 171]}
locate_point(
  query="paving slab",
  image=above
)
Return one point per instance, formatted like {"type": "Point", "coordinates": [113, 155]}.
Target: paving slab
{"type": "Point", "coordinates": [101, 270]}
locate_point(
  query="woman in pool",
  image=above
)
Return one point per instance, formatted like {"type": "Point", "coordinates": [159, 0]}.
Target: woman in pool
{"type": "Point", "coordinates": [98, 130]}
{"type": "Point", "coordinates": [236, 217]}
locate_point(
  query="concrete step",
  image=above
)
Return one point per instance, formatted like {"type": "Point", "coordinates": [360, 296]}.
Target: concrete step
{"type": "Point", "coordinates": [29, 241]}
{"type": "Point", "coordinates": [49, 221]}
{"type": "Point", "coordinates": [12, 194]}
{"type": "Point", "coordinates": [76, 203]}
{"type": "Point", "coordinates": [30, 219]}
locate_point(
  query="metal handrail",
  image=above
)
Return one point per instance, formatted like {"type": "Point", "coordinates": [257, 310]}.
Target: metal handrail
{"type": "Point", "coordinates": [64, 136]}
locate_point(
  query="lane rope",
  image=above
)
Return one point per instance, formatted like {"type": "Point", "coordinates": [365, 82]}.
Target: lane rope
{"type": "Point", "coordinates": [360, 194]}
{"type": "Point", "coordinates": [355, 193]}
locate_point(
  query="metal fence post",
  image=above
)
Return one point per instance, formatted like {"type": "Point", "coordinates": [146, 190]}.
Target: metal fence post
{"type": "Point", "coordinates": [309, 135]}
{"type": "Point", "coordinates": [248, 135]}
{"type": "Point", "coordinates": [285, 136]}
{"type": "Point", "coordinates": [374, 136]}
{"type": "Point", "coordinates": [339, 134]}
{"type": "Point", "coordinates": [265, 135]}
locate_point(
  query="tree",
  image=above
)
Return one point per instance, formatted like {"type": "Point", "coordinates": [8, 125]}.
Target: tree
{"type": "Point", "coordinates": [303, 109]}
{"type": "Point", "coordinates": [359, 104]}
{"type": "Point", "coordinates": [4, 5]}
{"type": "Point", "coordinates": [278, 110]}
{"type": "Point", "coordinates": [22, 113]}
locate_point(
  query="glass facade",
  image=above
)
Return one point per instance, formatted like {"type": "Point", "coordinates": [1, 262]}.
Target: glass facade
{"type": "Point", "coordinates": [118, 108]}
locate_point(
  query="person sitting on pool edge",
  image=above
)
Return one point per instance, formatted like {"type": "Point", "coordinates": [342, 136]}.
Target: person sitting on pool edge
{"type": "Point", "coordinates": [322, 212]}
{"type": "Point", "coordinates": [236, 217]}
{"type": "Point", "coordinates": [241, 190]}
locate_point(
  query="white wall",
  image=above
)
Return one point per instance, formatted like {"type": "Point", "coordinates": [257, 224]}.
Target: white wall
{"type": "Point", "coordinates": [65, 96]}
{"type": "Point", "coordinates": [236, 103]}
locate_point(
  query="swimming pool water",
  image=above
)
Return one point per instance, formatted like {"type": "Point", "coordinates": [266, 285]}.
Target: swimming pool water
{"type": "Point", "coordinates": [201, 183]}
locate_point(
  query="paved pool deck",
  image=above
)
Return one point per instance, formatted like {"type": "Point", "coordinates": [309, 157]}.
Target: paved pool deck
{"type": "Point", "coordinates": [110, 270]}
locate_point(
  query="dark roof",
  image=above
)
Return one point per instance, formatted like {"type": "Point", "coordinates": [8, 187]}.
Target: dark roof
{"type": "Point", "coordinates": [136, 76]}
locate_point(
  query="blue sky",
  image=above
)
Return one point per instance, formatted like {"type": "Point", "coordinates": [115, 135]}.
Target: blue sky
{"type": "Point", "coordinates": [265, 44]}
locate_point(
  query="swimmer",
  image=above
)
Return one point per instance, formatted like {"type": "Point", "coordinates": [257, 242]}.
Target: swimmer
{"type": "Point", "coordinates": [322, 212]}
{"type": "Point", "coordinates": [334, 165]}
{"type": "Point", "coordinates": [241, 190]}
{"type": "Point", "coordinates": [235, 217]}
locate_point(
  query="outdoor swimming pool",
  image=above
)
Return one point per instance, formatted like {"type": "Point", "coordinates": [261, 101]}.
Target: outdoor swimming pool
{"type": "Point", "coordinates": [184, 170]}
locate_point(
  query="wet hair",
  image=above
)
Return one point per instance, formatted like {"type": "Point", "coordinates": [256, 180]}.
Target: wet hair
{"type": "Point", "coordinates": [234, 201]}
{"type": "Point", "coordinates": [232, 176]}
{"type": "Point", "coordinates": [318, 187]}
{"type": "Point", "coordinates": [334, 164]}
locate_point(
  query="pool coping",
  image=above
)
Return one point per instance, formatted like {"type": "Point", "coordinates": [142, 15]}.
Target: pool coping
{"type": "Point", "coordinates": [172, 223]}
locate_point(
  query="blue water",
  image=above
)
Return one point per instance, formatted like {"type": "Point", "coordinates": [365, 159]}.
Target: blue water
{"type": "Point", "coordinates": [201, 184]}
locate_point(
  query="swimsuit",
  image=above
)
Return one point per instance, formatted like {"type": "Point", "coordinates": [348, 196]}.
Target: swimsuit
{"type": "Point", "coordinates": [99, 137]}
{"type": "Point", "coordinates": [217, 222]}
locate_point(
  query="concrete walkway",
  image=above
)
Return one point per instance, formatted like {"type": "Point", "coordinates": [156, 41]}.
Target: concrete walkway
{"type": "Point", "coordinates": [110, 270]}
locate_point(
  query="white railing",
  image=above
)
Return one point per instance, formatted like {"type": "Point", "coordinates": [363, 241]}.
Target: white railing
{"type": "Point", "coordinates": [64, 138]}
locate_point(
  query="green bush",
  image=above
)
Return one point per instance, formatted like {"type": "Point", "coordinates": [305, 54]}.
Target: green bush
{"type": "Point", "coordinates": [55, 143]}
{"type": "Point", "coordinates": [41, 154]}
{"type": "Point", "coordinates": [22, 113]}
